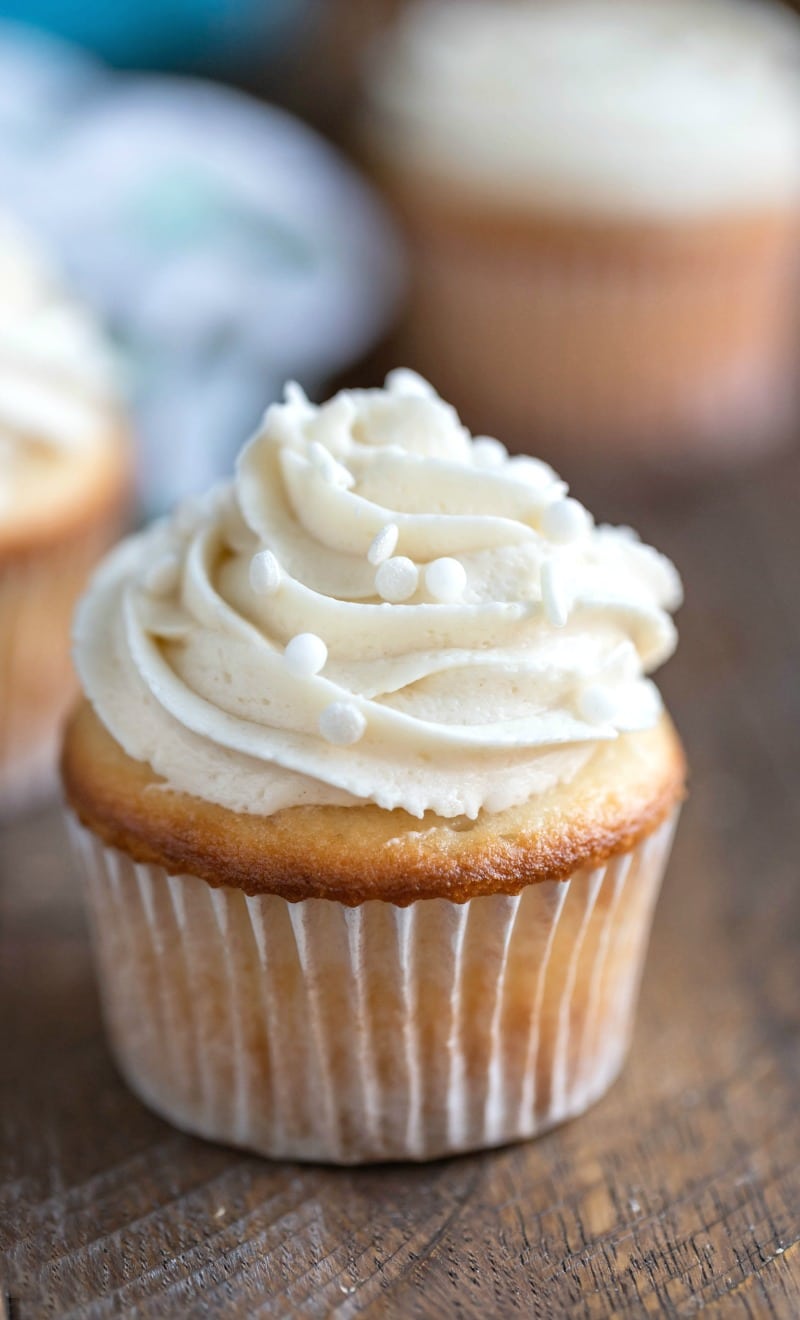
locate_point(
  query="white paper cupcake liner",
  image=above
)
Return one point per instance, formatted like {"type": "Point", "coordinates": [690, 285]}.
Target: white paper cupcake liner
{"type": "Point", "coordinates": [316, 1031]}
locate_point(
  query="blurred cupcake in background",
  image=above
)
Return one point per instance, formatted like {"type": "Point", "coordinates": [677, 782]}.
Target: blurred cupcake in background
{"type": "Point", "coordinates": [603, 203]}
{"type": "Point", "coordinates": [64, 479]}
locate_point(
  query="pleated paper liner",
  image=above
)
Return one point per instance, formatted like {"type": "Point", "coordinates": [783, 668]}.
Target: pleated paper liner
{"type": "Point", "coordinates": [315, 1031]}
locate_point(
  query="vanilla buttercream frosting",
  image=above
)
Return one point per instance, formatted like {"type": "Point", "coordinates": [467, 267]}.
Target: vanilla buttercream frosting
{"type": "Point", "coordinates": [379, 608]}
{"type": "Point", "coordinates": [58, 380]}
{"type": "Point", "coordinates": [676, 105]}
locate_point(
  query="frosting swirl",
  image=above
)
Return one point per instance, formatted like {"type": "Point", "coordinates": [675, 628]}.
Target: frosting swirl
{"type": "Point", "coordinates": [379, 608]}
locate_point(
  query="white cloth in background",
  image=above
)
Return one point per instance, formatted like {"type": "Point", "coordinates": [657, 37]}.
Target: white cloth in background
{"type": "Point", "coordinates": [226, 245]}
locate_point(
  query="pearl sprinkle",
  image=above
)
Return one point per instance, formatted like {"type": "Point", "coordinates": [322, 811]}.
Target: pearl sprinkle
{"type": "Point", "coordinates": [556, 596]}
{"type": "Point", "coordinates": [265, 573]}
{"type": "Point", "coordinates": [342, 723]}
{"type": "Point", "coordinates": [597, 704]}
{"type": "Point", "coordinates": [396, 579]}
{"type": "Point", "coordinates": [305, 655]}
{"type": "Point", "coordinates": [446, 579]}
{"type": "Point", "coordinates": [384, 544]}
{"type": "Point", "coordinates": [565, 520]}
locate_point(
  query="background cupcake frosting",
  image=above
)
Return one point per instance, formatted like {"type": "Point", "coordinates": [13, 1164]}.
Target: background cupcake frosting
{"type": "Point", "coordinates": [381, 609]}
{"type": "Point", "coordinates": [687, 108]}
{"type": "Point", "coordinates": [58, 384]}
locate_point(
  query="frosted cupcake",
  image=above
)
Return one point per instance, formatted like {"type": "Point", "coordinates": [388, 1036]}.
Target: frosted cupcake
{"type": "Point", "coordinates": [64, 476]}
{"type": "Point", "coordinates": [372, 791]}
{"type": "Point", "coordinates": [602, 198]}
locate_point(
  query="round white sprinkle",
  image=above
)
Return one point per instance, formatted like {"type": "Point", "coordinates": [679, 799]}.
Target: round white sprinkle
{"type": "Point", "coordinates": [556, 596]}
{"type": "Point", "coordinates": [383, 544]}
{"type": "Point", "coordinates": [163, 577]}
{"type": "Point", "coordinates": [565, 520]}
{"type": "Point", "coordinates": [332, 470]}
{"type": "Point", "coordinates": [342, 723]}
{"type": "Point", "coordinates": [488, 452]}
{"type": "Point", "coordinates": [597, 704]}
{"type": "Point", "coordinates": [409, 384]}
{"type": "Point", "coordinates": [446, 579]}
{"type": "Point", "coordinates": [265, 573]}
{"type": "Point", "coordinates": [305, 655]}
{"type": "Point", "coordinates": [396, 579]}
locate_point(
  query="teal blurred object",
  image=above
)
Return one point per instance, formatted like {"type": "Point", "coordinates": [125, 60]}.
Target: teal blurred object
{"type": "Point", "coordinates": [177, 33]}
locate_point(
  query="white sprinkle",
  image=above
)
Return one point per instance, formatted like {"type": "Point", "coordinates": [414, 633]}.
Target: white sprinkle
{"type": "Point", "coordinates": [295, 394]}
{"type": "Point", "coordinates": [396, 579]}
{"type": "Point", "coordinates": [305, 655]}
{"type": "Point", "coordinates": [265, 573]}
{"type": "Point", "coordinates": [163, 577]}
{"type": "Point", "coordinates": [565, 520]}
{"type": "Point", "coordinates": [333, 471]}
{"type": "Point", "coordinates": [409, 384]}
{"type": "Point", "coordinates": [556, 596]}
{"type": "Point", "coordinates": [488, 452]}
{"type": "Point", "coordinates": [342, 723]}
{"type": "Point", "coordinates": [383, 544]}
{"type": "Point", "coordinates": [597, 704]}
{"type": "Point", "coordinates": [446, 579]}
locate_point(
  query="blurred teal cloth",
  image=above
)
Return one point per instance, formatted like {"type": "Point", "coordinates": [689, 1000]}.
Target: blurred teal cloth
{"type": "Point", "coordinates": [178, 33]}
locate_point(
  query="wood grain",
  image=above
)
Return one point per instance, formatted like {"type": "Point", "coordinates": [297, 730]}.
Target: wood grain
{"type": "Point", "coordinates": [678, 1194]}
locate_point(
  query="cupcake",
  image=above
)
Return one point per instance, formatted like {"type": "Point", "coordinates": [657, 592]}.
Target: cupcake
{"type": "Point", "coordinates": [64, 477]}
{"type": "Point", "coordinates": [602, 199]}
{"type": "Point", "coordinates": [372, 793]}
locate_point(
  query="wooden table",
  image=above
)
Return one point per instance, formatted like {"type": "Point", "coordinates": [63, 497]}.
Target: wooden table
{"type": "Point", "coordinates": [679, 1192]}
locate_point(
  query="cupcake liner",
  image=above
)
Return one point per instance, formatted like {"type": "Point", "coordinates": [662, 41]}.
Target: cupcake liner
{"type": "Point", "coordinates": [38, 591]}
{"type": "Point", "coordinates": [315, 1031]}
{"type": "Point", "coordinates": [665, 351]}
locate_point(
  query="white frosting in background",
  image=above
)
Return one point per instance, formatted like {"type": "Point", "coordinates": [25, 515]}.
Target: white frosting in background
{"type": "Point", "coordinates": [677, 105]}
{"type": "Point", "coordinates": [242, 647]}
{"type": "Point", "coordinates": [56, 374]}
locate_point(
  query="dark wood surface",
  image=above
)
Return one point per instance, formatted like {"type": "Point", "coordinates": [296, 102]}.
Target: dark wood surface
{"type": "Point", "coordinates": [678, 1193]}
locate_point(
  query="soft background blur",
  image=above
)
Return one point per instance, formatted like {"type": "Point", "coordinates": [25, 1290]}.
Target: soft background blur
{"type": "Point", "coordinates": [225, 244]}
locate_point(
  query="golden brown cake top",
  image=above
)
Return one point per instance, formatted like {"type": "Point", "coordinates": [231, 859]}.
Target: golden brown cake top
{"type": "Point", "coordinates": [354, 854]}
